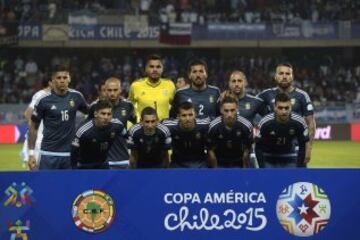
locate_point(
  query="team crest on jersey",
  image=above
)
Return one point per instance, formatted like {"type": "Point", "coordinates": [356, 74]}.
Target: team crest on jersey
{"type": "Point", "coordinates": [247, 106]}
{"type": "Point", "coordinates": [293, 101]}
{"type": "Point", "coordinates": [221, 136]}
{"type": "Point", "coordinates": [112, 134]}
{"type": "Point", "coordinates": [238, 133]}
{"type": "Point", "coordinates": [123, 112]}
{"type": "Point", "coordinates": [211, 99]}
{"type": "Point", "coordinates": [292, 131]}
{"type": "Point", "coordinates": [72, 103]}
{"type": "Point", "coordinates": [104, 146]}
{"type": "Point", "coordinates": [165, 92]}
{"type": "Point", "coordinates": [198, 135]}
{"type": "Point", "coordinates": [142, 93]}
{"type": "Point", "coordinates": [94, 140]}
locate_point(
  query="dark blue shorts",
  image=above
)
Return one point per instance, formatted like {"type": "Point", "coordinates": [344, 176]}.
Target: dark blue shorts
{"type": "Point", "coordinates": [54, 162]}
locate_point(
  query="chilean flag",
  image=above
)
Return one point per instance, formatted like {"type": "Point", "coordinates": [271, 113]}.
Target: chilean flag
{"type": "Point", "coordinates": [176, 33]}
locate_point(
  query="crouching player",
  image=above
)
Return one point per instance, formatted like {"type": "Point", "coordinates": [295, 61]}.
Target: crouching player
{"type": "Point", "coordinates": [95, 137]}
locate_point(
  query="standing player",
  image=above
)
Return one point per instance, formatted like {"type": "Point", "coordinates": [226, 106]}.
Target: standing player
{"type": "Point", "coordinates": [57, 109]}
{"type": "Point", "coordinates": [277, 133]}
{"type": "Point", "coordinates": [188, 136]}
{"type": "Point", "coordinates": [153, 91]}
{"type": "Point", "coordinates": [122, 110]}
{"type": "Point", "coordinates": [230, 137]}
{"type": "Point", "coordinates": [28, 112]}
{"type": "Point", "coordinates": [300, 100]}
{"type": "Point", "coordinates": [249, 105]}
{"type": "Point", "coordinates": [204, 97]}
{"type": "Point", "coordinates": [94, 138]}
{"type": "Point", "coordinates": [149, 142]}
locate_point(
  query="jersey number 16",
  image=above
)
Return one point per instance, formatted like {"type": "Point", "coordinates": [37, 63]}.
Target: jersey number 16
{"type": "Point", "coordinates": [65, 115]}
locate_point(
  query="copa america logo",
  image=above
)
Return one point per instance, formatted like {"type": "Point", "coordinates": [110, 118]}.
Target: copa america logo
{"type": "Point", "coordinates": [303, 209]}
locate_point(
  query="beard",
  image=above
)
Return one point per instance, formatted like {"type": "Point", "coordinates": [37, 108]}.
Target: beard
{"type": "Point", "coordinates": [284, 85]}
{"type": "Point", "coordinates": [198, 82]}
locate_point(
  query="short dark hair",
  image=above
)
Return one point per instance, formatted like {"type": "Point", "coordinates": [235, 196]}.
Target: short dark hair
{"type": "Point", "coordinates": [101, 104]}
{"type": "Point", "coordinates": [285, 64]}
{"type": "Point", "coordinates": [148, 111]}
{"type": "Point", "coordinates": [59, 68]}
{"type": "Point", "coordinates": [195, 62]}
{"type": "Point", "coordinates": [282, 97]}
{"type": "Point", "coordinates": [185, 106]}
{"type": "Point", "coordinates": [182, 75]}
{"type": "Point", "coordinates": [229, 99]}
{"type": "Point", "coordinates": [153, 57]}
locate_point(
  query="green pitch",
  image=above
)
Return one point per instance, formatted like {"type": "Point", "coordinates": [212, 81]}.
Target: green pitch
{"type": "Point", "coordinates": [335, 154]}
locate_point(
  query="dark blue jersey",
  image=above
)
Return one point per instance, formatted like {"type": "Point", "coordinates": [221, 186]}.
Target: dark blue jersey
{"type": "Point", "coordinates": [277, 139]}
{"type": "Point", "coordinates": [92, 144]}
{"type": "Point", "coordinates": [150, 149]}
{"type": "Point", "coordinates": [250, 105]}
{"type": "Point", "coordinates": [124, 111]}
{"type": "Point", "coordinates": [58, 114]}
{"type": "Point", "coordinates": [300, 100]}
{"type": "Point", "coordinates": [230, 143]}
{"type": "Point", "coordinates": [206, 102]}
{"type": "Point", "coordinates": [188, 146]}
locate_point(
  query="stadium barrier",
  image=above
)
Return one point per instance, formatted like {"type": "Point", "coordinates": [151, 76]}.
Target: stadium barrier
{"type": "Point", "coordinates": [12, 134]}
{"type": "Point", "coordinates": [180, 204]}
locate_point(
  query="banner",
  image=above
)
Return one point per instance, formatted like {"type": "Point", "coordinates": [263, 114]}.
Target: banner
{"type": "Point", "coordinates": [8, 33]}
{"type": "Point", "coordinates": [55, 32]}
{"type": "Point", "coordinates": [336, 132]}
{"type": "Point", "coordinates": [211, 31]}
{"type": "Point", "coordinates": [332, 114]}
{"type": "Point", "coordinates": [180, 204]}
{"type": "Point", "coordinates": [30, 32]}
{"type": "Point", "coordinates": [112, 32]}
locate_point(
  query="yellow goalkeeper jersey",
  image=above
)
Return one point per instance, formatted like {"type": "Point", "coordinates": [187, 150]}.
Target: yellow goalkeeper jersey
{"type": "Point", "coordinates": [143, 94]}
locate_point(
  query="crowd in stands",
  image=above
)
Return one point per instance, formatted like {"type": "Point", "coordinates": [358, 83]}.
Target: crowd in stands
{"type": "Point", "coordinates": [201, 11]}
{"type": "Point", "coordinates": [326, 78]}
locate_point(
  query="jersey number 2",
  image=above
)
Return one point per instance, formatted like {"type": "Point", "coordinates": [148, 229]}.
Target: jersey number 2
{"type": "Point", "coordinates": [201, 109]}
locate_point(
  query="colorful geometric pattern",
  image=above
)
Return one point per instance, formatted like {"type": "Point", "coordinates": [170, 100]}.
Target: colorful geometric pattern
{"type": "Point", "coordinates": [286, 193]}
{"type": "Point", "coordinates": [18, 195]}
{"type": "Point", "coordinates": [93, 211]}
{"type": "Point", "coordinates": [303, 209]}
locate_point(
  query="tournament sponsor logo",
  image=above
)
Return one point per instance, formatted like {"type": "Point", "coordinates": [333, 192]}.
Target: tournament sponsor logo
{"type": "Point", "coordinates": [93, 211]}
{"type": "Point", "coordinates": [18, 195]}
{"type": "Point", "coordinates": [303, 209]}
